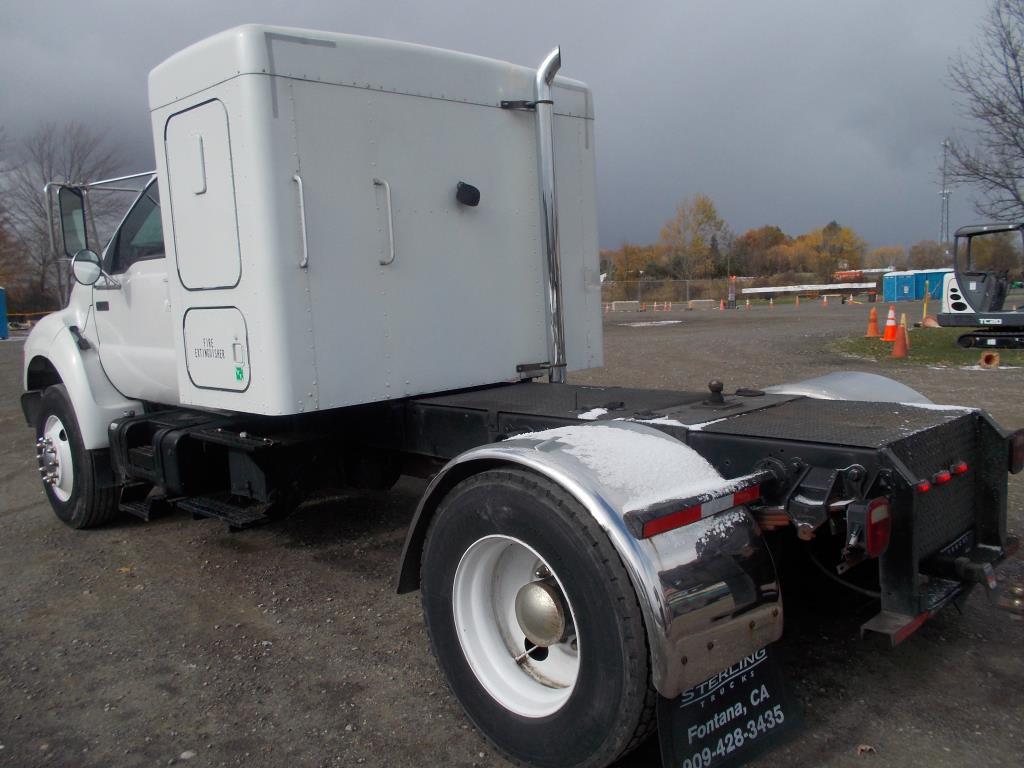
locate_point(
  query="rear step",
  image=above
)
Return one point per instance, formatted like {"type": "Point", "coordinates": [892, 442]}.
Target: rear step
{"type": "Point", "coordinates": [136, 500]}
{"type": "Point", "coordinates": [236, 516]}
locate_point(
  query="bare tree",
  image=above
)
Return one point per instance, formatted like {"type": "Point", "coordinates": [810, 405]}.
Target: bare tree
{"type": "Point", "coordinates": [991, 83]}
{"type": "Point", "coordinates": [8, 251]}
{"type": "Point", "coordinates": [69, 153]}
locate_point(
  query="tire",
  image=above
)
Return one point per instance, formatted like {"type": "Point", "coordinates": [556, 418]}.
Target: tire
{"type": "Point", "coordinates": [75, 495]}
{"type": "Point", "coordinates": [542, 711]}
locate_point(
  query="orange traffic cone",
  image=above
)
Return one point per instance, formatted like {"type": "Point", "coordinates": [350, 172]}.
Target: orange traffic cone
{"type": "Point", "coordinates": [890, 325]}
{"type": "Point", "coordinates": [771, 301]}
{"type": "Point", "coordinates": [903, 325]}
{"type": "Point", "coordinates": [798, 299]}
{"type": "Point", "coordinates": [899, 347]}
{"type": "Point", "coordinates": [872, 324]}
{"type": "Point", "coordinates": [824, 300]}
{"type": "Point", "coordinates": [721, 304]}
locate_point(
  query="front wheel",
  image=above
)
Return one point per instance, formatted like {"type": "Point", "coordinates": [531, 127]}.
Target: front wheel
{"type": "Point", "coordinates": [68, 470]}
{"type": "Point", "coordinates": [534, 622]}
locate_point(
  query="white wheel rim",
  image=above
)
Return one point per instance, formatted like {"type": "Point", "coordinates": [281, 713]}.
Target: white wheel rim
{"type": "Point", "coordinates": [55, 463]}
{"type": "Point", "coordinates": [487, 579]}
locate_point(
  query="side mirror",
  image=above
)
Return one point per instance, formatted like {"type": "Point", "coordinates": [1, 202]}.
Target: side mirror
{"type": "Point", "coordinates": [72, 221]}
{"type": "Point", "coordinates": [85, 266]}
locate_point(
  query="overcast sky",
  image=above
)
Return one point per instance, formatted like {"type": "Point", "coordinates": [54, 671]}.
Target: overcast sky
{"type": "Point", "coordinates": [786, 112]}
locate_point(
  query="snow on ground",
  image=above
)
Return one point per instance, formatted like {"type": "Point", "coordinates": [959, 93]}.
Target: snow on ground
{"type": "Point", "coordinates": [650, 323]}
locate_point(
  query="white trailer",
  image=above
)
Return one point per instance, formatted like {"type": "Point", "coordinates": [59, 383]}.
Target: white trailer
{"type": "Point", "coordinates": [354, 259]}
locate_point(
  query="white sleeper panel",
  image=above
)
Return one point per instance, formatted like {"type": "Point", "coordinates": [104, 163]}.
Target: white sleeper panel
{"type": "Point", "coordinates": [202, 197]}
{"type": "Point", "coordinates": [217, 349]}
{"type": "Point", "coordinates": [329, 319]}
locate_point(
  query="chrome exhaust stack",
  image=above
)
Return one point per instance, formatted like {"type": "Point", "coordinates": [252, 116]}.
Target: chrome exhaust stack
{"type": "Point", "coordinates": [544, 109]}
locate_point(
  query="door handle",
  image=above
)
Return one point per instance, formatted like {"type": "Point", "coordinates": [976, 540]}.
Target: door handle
{"type": "Point", "coordinates": [302, 222]}
{"type": "Point", "coordinates": [391, 223]}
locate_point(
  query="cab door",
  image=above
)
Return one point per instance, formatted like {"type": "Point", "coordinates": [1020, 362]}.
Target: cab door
{"type": "Point", "coordinates": [133, 311]}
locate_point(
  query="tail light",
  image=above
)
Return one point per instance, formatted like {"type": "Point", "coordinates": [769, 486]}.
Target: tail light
{"type": "Point", "coordinates": [869, 525]}
{"type": "Point", "coordinates": [878, 528]}
{"type": "Point", "coordinates": [1017, 451]}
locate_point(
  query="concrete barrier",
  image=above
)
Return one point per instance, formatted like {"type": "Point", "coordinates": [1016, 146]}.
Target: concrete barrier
{"type": "Point", "coordinates": [702, 304]}
{"type": "Point", "coordinates": [625, 306]}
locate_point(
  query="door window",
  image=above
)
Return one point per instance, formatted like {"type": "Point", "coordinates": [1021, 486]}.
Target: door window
{"type": "Point", "coordinates": [141, 235]}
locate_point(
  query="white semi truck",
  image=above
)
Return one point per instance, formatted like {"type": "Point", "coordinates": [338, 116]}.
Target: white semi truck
{"type": "Point", "coordinates": [358, 258]}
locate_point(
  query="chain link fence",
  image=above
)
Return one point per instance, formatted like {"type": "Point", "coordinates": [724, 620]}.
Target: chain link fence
{"type": "Point", "coordinates": [659, 291]}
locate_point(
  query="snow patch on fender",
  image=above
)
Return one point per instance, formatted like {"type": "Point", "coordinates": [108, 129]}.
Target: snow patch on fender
{"type": "Point", "coordinates": [642, 468]}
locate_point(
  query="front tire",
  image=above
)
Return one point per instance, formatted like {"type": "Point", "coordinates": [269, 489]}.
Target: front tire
{"type": "Point", "coordinates": [68, 470]}
{"type": "Point", "coordinates": [584, 700]}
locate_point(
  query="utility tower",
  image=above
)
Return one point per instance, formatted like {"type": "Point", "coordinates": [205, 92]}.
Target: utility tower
{"type": "Point", "coordinates": [944, 194]}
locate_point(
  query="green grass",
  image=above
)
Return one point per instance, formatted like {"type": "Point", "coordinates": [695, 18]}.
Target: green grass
{"type": "Point", "coordinates": [928, 346]}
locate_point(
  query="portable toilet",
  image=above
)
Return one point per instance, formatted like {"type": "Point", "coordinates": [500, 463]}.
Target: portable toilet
{"type": "Point", "coordinates": [3, 314]}
{"type": "Point", "coordinates": [906, 287]}
{"type": "Point", "coordinates": [889, 286]}
{"type": "Point", "coordinates": [933, 277]}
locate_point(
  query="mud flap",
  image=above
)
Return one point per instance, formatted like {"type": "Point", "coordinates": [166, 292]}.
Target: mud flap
{"type": "Point", "coordinates": [730, 717]}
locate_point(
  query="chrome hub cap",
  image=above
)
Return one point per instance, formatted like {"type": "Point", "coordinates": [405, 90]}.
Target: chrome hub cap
{"type": "Point", "coordinates": [505, 599]}
{"type": "Point", "coordinates": [53, 450]}
{"type": "Point", "coordinates": [540, 611]}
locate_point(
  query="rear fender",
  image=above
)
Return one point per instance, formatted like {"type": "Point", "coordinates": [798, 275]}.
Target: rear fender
{"type": "Point", "coordinates": [96, 402]}
{"type": "Point", "coordinates": [708, 590]}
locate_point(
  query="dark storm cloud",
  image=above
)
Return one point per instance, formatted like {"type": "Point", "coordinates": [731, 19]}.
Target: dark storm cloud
{"type": "Point", "coordinates": [789, 113]}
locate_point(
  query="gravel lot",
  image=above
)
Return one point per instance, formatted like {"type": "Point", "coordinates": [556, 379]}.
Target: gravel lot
{"type": "Point", "coordinates": [178, 642]}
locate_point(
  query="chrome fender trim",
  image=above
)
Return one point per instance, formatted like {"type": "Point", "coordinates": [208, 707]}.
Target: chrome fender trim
{"type": "Point", "coordinates": [708, 591]}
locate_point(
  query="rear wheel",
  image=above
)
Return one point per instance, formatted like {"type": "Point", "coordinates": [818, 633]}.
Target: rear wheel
{"type": "Point", "coordinates": [68, 470]}
{"type": "Point", "coordinates": [534, 622]}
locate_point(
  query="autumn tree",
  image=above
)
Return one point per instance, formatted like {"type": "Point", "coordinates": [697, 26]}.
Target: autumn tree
{"type": "Point", "coordinates": [886, 256]}
{"type": "Point", "coordinates": [996, 252]}
{"type": "Point", "coordinates": [70, 153]}
{"type": "Point", "coordinates": [927, 254]}
{"type": "Point", "coordinates": [990, 81]}
{"type": "Point", "coordinates": [756, 252]}
{"type": "Point", "coordinates": [692, 239]}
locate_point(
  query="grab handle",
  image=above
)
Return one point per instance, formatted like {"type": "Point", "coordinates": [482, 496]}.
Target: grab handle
{"type": "Point", "coordinates": [391, 223]}
{"type": "Point", "coordinates": [302, 221]}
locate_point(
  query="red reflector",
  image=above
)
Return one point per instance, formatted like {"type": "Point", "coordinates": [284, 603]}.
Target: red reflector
{"type": "Point", "coordinates": [959, 468]}
{"type": "Point", "coordinates": [672, 521]}
{"type": "Point", "coordinates": [942, 477]}
{"type": "Point", "coordinates": [747, 495]}
{"type": "Point", "coordinates": [879, 526]}
{"type": "Point", "coordinates": [923, 486]}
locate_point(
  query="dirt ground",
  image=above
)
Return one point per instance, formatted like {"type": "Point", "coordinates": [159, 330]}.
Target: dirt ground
{"type": "Point", "coordinates": [144, 644]}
